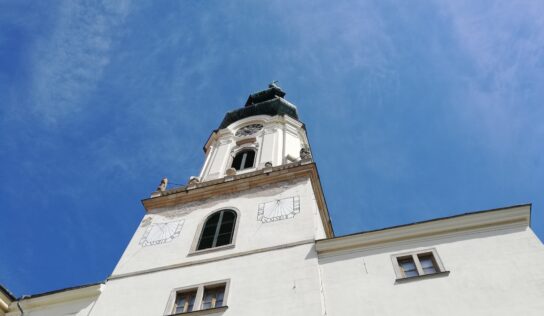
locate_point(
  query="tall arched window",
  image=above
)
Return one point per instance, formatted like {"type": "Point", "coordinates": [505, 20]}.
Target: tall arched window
{"type": "Point", "coordinates": [244, 160]}
{"type": "Point", "coordinates": [218, 230]}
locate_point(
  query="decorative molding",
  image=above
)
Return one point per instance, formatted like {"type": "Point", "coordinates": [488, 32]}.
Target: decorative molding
{"type": "Point", "coordinates": [244, 182]}
{"type": "Point", "coordinates": [270, 130]}
{"type": "Point", "coordinates": [224, 141]}
{"type": "Point", "coordinates": [249, 140]}
{"type": "Point", "coordinates": [213, 259]}
{"type": "Point", "coordinates": [515, 216]}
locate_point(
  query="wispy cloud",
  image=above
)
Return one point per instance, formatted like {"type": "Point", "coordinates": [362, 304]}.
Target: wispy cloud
{"type": "Point", "coordinates": [504, 42]}
{"type": "Point", "coordinates": [68, 63]}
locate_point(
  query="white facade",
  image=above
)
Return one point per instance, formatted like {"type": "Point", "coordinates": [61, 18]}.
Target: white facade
{"type": "Point", "coordinates": [492, 266]}
{"type": "Point", "coordinates": [283, 258]}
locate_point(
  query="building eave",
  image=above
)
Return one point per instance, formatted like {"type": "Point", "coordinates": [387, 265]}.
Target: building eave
{"type": "Point", "coordinates": [6, 298]}
{"type": "Point", "coordinates": [512, 216]}
{"type": "Point", "coordinates": [61, 295]}
{"type": "Point", "coordinates": [237, 183]}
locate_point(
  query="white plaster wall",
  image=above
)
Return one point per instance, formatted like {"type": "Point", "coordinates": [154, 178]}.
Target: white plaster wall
{"type": "Point", "coordinates": [281, 282]}
{"type": "Point", "coordinates": [280, 136]}
{"type": "Point", "coordinates": [491, 273]}
{"type": "Point", "coordinates": [79, 307]}
{"type": "Point", "coordinates": [251, 234]}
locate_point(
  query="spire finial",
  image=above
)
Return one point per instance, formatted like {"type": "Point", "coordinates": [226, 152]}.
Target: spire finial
{"type": "Point", "coordinates": [273, 84]}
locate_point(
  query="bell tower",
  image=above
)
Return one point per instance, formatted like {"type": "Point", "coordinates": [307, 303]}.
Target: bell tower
{"type": "Point", "coordinates": [264, 133]}
{"type": "Point", "coordinates": [239, 236]}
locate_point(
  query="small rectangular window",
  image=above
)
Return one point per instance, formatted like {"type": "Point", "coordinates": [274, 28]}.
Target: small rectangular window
{"type": "Point", "coordinates": [418, 263]}
{"type": "Point", "coordinates": [200, 297]}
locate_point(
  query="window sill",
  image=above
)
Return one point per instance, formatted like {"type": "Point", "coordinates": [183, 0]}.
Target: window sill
{"type": "Point", "coordinates": [208, 311]}
{"type": "Point", "coordinates": [208, 250]}
{"type": "Point", "coordinates": [425, 276]}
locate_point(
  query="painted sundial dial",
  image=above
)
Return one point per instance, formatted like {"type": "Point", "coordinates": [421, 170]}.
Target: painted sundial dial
{"type": "Point", "coordinates": [161, 233]}
{"type": "Point", "coordinates": [279, 209]}
{"type": "Point", "coordinates": [249, 130]}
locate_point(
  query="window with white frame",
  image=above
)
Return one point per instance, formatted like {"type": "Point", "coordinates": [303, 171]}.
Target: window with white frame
{"type": "Point", "coordinates": [418, 263]}
{"type": "Point", "coordinates": [218, 230]}
{"type": "Point", "coordinates": [198, 298]}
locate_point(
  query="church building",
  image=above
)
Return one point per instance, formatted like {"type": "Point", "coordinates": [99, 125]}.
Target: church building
{"type": "Point", "coordinates": [251, 235]}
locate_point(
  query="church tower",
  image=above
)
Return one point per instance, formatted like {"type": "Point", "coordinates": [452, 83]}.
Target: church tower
{"type": "Point", "coordinates": [239, 238]}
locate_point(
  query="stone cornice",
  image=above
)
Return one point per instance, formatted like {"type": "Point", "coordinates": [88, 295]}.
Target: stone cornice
{"type": "Point", "coordinates": [237, 183]}
{"type": "Point", "coordinates": [514, 216]}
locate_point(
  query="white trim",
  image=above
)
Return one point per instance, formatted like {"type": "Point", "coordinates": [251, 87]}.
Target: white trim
{"type": "Point", "coordinates": [208, 260]}
{"type": "Point", "coordinates": [517, 216]}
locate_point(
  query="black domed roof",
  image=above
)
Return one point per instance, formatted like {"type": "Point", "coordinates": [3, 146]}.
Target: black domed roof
{"type": "Point", "coordinates": [266, 102]}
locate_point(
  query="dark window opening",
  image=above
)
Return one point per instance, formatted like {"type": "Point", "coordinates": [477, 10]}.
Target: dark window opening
{"type": "Point", "coordinates": [244, 160]}
{"type": "Point", "coordinates": [218, 230]}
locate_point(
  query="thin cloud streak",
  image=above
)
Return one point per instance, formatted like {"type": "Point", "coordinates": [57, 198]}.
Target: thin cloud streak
{"type": "Point", "coordinates": [504, 42]}
{"type": "Point", "coordinates": [70, 62]}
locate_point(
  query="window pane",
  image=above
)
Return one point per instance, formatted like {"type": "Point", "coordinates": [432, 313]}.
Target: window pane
{"type": "Point", "coordinates": [205, 243]}
{"type": "Point", "coordinates": [223, 239]}
{"type": "Point", "coordinates": [228, 216]}
{"type": "Point", "coordinates": [226, 228]}
{"type": "Point", "coordinates": [408, 267]}
{"type": "Point", "coordinates": [237, 161]}
{"type": "Point", "coordinates": [427, 263]}
{"type": "Point", "coordinates": [208, 233]}
{"type": "Point", "coordinates": [219, 299]}
{"type": "Point", "coordinates": [213, 297]}
{"type": "Point", "coordinates": [185, 302]}
{"type": "Point", "coordinates": [250, 159]}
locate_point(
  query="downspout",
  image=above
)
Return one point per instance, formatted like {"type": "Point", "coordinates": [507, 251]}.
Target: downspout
{"type": "Point", "coordinates": [19, 306]}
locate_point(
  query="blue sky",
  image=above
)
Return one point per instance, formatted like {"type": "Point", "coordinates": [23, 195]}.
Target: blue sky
{"type": "Point", "coordinates": [414, 109]}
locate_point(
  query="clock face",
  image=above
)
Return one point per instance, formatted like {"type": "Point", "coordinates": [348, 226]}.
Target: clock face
{"type": "Point", "coordinates": [161, 233]}
{"type": "Point", "coordinates": [279, 209]}
{"type": "Point", "coordinates": [249, 130]}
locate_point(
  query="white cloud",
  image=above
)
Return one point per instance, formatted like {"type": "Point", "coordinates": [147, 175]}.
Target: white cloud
{"type": "Point", "coordinates": [68, 64]}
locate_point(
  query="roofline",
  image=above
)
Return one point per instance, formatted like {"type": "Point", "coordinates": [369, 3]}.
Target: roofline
{"type": "Point", "coordinates": [436, 219]}
{"type": "Point", "coordinates": [77, 287]}
{"type": "Point", "coordinates": [510, 216]}
{"type": "Point", "coordinates": [7, 292]}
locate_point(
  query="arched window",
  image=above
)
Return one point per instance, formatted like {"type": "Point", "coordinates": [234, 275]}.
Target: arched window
{"type": "Point", "coordinates": [218, 230]}
{"type": "Point", "coordinates": [244, 160]}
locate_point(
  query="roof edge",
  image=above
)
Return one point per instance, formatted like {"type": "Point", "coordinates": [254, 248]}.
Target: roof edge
{"type": "Point", "coordinates": [7, 292]}
{"type": "Point", "coordinates": [515, 215]}
{"type": "Point", "coordinates": [55, 296]}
